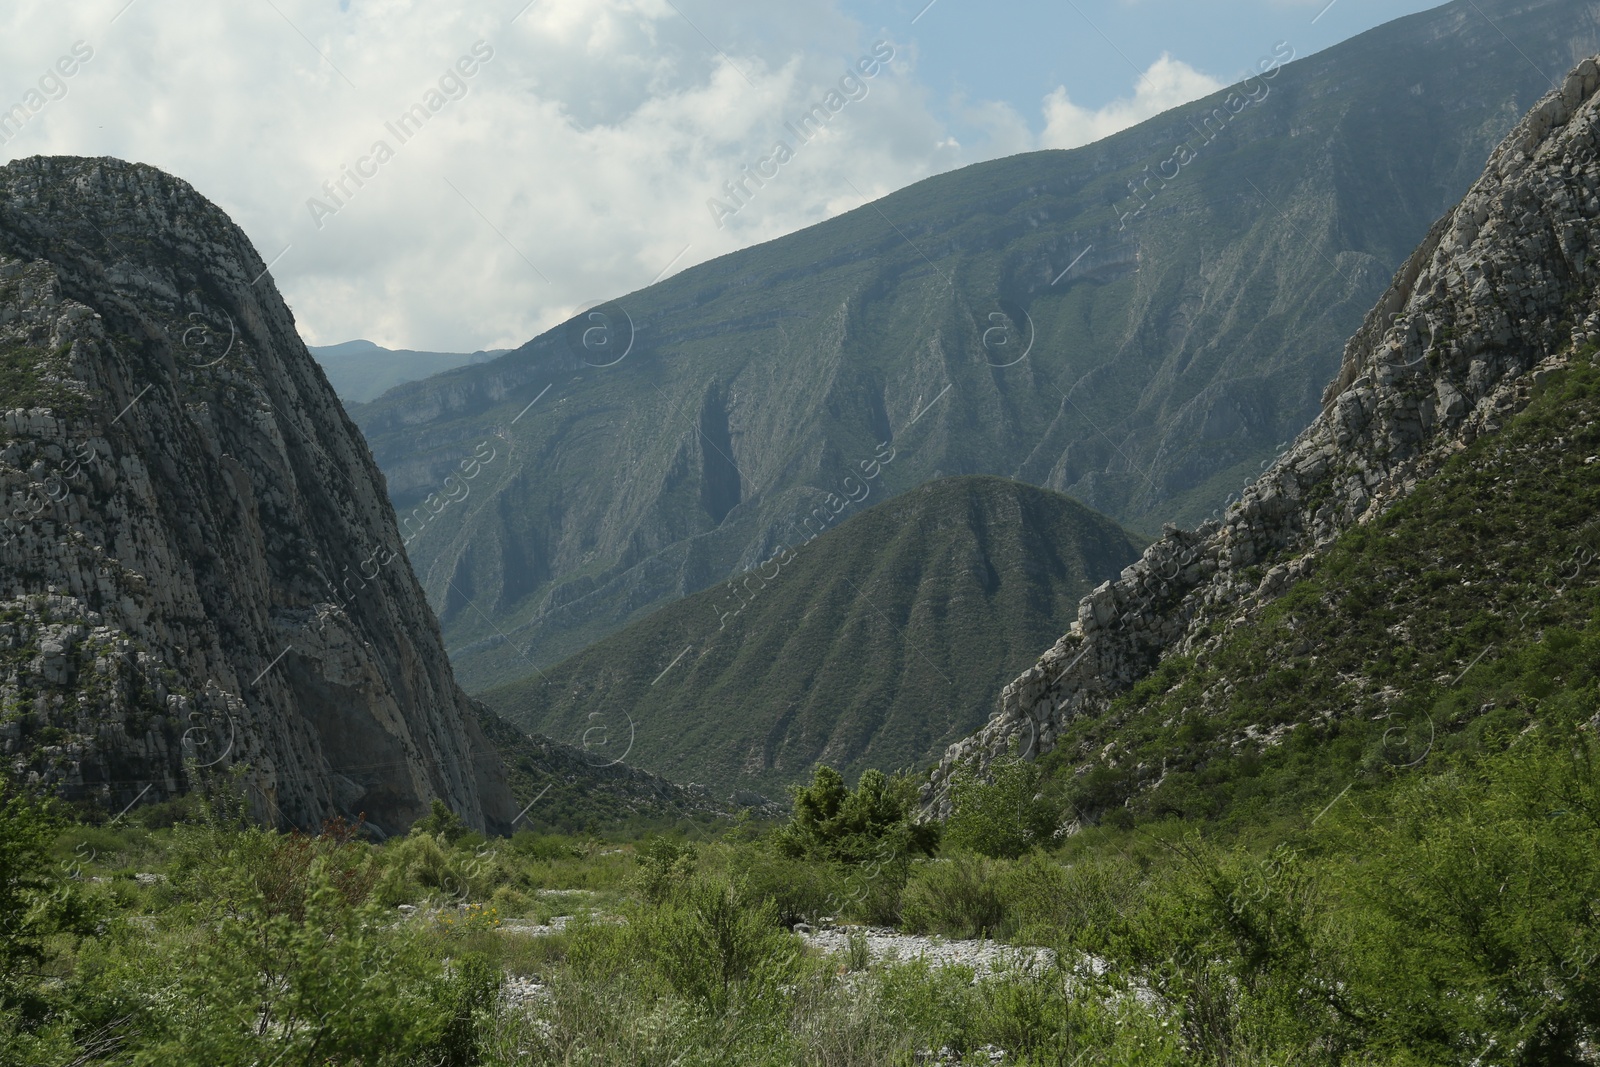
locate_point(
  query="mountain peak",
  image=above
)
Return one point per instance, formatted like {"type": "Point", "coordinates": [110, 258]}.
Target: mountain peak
{"type": "Point", "coordinates": [201, 566]}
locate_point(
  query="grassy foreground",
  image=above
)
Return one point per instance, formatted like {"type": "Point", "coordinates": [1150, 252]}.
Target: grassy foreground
{"type": "Point", "coordinates": [1447, 918]}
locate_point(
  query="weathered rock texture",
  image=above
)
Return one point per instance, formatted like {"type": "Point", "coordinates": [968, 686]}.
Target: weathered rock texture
{"type": "Point", "coordinates": [1500, 292]}
{"type": "Point", "coordinates": [198, 559]}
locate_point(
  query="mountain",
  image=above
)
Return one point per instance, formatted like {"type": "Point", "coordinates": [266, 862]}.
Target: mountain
{"type": "Point", "coordinates": [873, 645]}
{"type": "Point", "coordinates": [1414, 575]}
{"type": "Point", "coordinates": [1137, 323]}
{"type": "Point", "coordinates": [184, 490]}
{"type": "Point", "coordinates": [360, 371]}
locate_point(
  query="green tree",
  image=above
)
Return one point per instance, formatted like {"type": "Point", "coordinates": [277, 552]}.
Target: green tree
{"type": "Point", "coordinates": [442, 821]}
{"type": "Point", "coordinates": [1004, 817]}
{"type": "Point", "coordinates": [37, 901]}
{"type": "Point", "coordinates": [833, 822]}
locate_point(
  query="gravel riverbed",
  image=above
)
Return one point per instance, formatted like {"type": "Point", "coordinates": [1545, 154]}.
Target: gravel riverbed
{"type": "Point", "coordinates": [887, 945]}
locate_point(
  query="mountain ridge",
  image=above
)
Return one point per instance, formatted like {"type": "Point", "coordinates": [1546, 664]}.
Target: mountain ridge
{"type": "Point", "coordinates": [361, 371]}
{"type": "Point", "coordinates": [1169, 355]}
{"type": "Point", "coordinates": [1500, 295]}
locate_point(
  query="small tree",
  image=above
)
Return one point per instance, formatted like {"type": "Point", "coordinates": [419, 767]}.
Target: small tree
{"type": "Point", "coordinates": [442, 821]}
{"type": "Point", "coordinates": [832, 822]}
{"type": "Point", "coordinates": [1004, 817]}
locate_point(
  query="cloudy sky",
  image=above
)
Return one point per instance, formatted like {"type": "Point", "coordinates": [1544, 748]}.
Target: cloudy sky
{"type": "Point", "coordinates": [562, 152]}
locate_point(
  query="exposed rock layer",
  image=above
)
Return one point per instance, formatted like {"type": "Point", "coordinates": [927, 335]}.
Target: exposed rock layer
{"type": "Point", "coordinates": [1500, 292]}
{"type": "Point", "coordinates": [199, 557]}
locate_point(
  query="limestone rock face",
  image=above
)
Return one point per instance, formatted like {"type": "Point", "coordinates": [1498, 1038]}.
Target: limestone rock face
{"type": "Point", "coordinates": [199, 564]}
{"type": "Point", "coordinates": [1499, 293]}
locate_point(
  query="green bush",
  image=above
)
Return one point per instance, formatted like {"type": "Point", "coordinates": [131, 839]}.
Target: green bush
{"type": "Point", "coordinates": [542, 846]}
{"type": "Point", "coordinates": [798, 890]}
{"type": "Point", "coordinates": [959, 896]}
{"type": "Point", "coordinates": [39, 904]}
{"type": "Point", "coordinates": [1475, 925]}
{"type": "Point", "coordinates": [1065, 904]}
{"type": "Point", "coordinates": [664, 867]}
{"type": "Point", "coordinates": [427, 865]}
{"type": "Point", "coordinates": [280, 954]}
{"type": "Point", "coordinates": [705, 941]}
{"type": "Point", "coordinates": [1005, 816]}
{"type": "Point", "coordinates": [1447, 919]}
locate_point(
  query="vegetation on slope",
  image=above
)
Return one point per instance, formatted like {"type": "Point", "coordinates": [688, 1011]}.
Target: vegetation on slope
{"type": "Point", "coordinates": [563, 789]}
{"type": "Point", "coordinates": [874, 645]}
{"type": "Point", "coordinates": [1464, 612]}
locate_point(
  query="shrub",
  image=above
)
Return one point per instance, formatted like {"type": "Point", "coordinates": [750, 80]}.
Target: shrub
{"type": "Point", "coordinates": [798, 890]}
{"type": "Point", "coordinates": [1066, 905]}
{"type": "Point", "coordinates": [1475, 926]}
{"type": "Point", "coordinates": [665, 866]}
{"type": "Point", "coordinates": [706, 940]}
{"type": "Point", "coordinates": [958, 897]}
{"type": "Point", "coordinates": [542, 846]}
{"type": "Point", "coordinates": [292, 962]}
{"type": "Point", "coordinates": [858, 951]}
{"type": "Point", "coordinates": [427, 862]}
{"type": "Point", "coordinates": [36, 902]}
{"type": "Point", "coordinates": [1005, 816]}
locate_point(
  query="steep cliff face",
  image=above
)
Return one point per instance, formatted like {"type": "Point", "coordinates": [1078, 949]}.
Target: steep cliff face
{"type": "Point", "coordinates": [1500, 293]}
{"type": "Point", "coordinates": [198, 559]}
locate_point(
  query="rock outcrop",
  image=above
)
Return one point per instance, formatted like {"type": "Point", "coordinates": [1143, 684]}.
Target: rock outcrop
{"type": "Point", "coordinates": [1500, 293]}
{"type": "Point", "coordinates": [199, 564]}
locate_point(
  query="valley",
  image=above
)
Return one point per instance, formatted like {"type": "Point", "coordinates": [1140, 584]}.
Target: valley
{"type": "Point", "coordinates": [875, 644]}
{"type": "Point", "coordinates": [1146, 365]}
{"type": "Point", "coordinates": [1003, 623]}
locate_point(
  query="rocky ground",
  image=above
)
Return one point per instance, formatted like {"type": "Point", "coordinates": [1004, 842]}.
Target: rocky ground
{"type": "Point", "coordinates": [884, 945]}
{"type": "Point", "coordinates": [887, 945]}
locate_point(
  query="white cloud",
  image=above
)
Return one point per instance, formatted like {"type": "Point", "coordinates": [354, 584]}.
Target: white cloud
{"type": "Point", "coordinates": [1167, 84]}
{"type": "Point", "coordinates": [590, 142]}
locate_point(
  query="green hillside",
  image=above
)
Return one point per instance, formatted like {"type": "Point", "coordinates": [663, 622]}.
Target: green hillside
{"type": "Point", "coordinates": [1169, 347]}
{"type": "Point", "coordinates": [1463, 617]}
{"type": "Point", "coordinates": [874, 645]}
{"type": "Point", "coordinates": [569, 790]}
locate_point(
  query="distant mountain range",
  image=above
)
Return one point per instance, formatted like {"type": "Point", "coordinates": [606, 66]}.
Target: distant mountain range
{"type": "Point", "coordinates": [1139, 323]}
{"type": "Point", "coordinates": [360, 371]}
{"type": "Point", "coordinates": [876, 644]}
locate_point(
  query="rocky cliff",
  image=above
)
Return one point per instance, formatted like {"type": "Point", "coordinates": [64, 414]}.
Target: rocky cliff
{"type": "Point", "coordinates": [199, 565]}
{"type": "Point", "coordinates": [1500, 293]}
